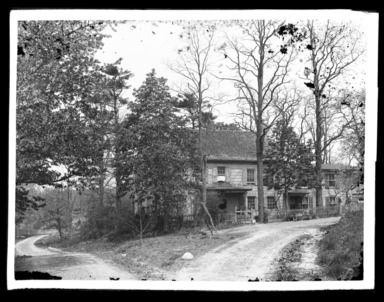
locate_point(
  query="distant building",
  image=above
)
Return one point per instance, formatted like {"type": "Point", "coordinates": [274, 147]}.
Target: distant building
{"type": "Point", "coordinates": [231, 169]}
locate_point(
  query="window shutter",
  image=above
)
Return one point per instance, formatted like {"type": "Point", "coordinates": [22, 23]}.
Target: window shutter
{"type": "Point", "coordinates": [244, 177]}
{"type": "Point", "coordinates": [326, 200]}
{"type": "Point", "coordinates": [255, 175]}
{"type": "Point", "coordinates": [227, 174]}
{"type": "Point", "coordinates": [214, 177]}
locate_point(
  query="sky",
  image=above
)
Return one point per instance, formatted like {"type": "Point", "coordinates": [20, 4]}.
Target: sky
{"type": "Point", "coordinates": [144, 45]}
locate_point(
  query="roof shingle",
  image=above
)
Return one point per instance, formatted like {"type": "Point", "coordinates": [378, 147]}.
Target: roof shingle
{"type": "Point", "coordinates": [238, 146]}
{"type": "Point", "coordinates": [230, 145]}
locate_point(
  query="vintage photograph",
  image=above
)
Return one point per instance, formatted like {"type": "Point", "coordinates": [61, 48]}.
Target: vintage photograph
{"type": "Point", "coordinates": [178, 146]}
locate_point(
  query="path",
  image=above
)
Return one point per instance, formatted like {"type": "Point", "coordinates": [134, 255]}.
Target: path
{"type": "Point", "coordinates": [69, 266]}
{"type": "Point", "coordinates": [251, 257]}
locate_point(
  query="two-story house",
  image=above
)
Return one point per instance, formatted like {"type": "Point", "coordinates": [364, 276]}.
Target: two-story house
{"type": "Point", "coordinates": [231, 169]}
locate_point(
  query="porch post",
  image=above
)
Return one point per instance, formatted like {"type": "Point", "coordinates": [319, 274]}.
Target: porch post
{"type": "Point", "coordinates": [287, 201]}
{"type": "Point", "coordinates": [245, 200]}
{"type": "Point", "coordinates": [246, 206]}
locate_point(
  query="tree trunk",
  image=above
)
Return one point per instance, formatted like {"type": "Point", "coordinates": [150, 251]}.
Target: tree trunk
{"type": "Point", "coordinates": [285, 199]}
{"type": "Point", "coordinates": [101, 185]}
{"type": "Point", "coordinates": [260, 188]}
{"type": "Point", "coordinates": [319, 131]}
{"type": "Point", "coordinates": [117, 169]}
{"type": "Point", "coordinates": [204, 194]}
{"type": "Point", "coordinates": [259, 135]}
{"type": "Point", "coordinates": [203, 165]}
{"type": "Point", "coordinates": [58, 226]}
{"type": "Point", "coordinates": [318, 153]}
{"type": "Point", "coordinates": [118, 189]}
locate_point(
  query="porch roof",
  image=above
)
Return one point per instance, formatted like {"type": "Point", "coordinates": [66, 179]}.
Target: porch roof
{"type": "Point", "coordinates": [229, 189]}
{"type": "Point", "coordinates": [299, 192]}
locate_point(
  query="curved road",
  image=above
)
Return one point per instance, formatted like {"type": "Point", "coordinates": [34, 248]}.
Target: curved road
{"type": "Point", "coordinates": [69, 266]}
{"type": "Point", "coordinates": [242, 259]}
{"type": "Point", "coordinates": [250, 257]}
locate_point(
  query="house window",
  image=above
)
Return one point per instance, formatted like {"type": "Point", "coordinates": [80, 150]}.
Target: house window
{"type": "Point", "coordinates": [221, 171]}
{"type": "Point", "coordinates": [251, 176]}
{"type": "Point", "coordinates": [271, 202]}
{"type": "Point", "coordinates": [305, 202]}
{"type": "Point", "coordinates": [330, 180]}
{"type": "Point", "coordinates": [251, 202]}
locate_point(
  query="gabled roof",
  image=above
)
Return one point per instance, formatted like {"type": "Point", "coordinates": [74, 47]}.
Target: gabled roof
{"type": "Point", "coordinates": [230, 145]}
{"type": "Point", "coordinates": [238, 145]}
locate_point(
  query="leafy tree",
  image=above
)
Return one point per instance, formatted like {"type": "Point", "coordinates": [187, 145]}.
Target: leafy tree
{"type": "Point", "coordinates": [25, 203]}
{"type": "Point", "coordinates": [105, 113]}
{"type": "Point", "coordinates": [288, 161]}
{"type": "Point", "coordinates": [160, 154]}
{"type": "Point", "coordinates": [56, 76]}
{"type": "Point", "coordinates": [226, 126]}
{"type": "Point", "coordinates": [57, 212]}
{"type": "Point", "coordinates": [189, 103]}
{"type": "Point", "coordinates": [55, 73]}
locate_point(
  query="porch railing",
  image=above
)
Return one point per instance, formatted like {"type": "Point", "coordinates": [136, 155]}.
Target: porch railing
{"type": "Point", "coordinates": [240, 216]}
{"type": "Point", "coordinates": [303, 214]}
{"type": "Point", "coordinates": [245, 216]}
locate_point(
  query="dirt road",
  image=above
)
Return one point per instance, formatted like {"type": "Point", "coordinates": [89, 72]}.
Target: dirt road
{"type": "Point", "coordinates": [69, 266]}
{"type": "Point", "coordinates": [250, 257]}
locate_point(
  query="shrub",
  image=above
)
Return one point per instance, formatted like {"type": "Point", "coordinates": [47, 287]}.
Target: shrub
{"type": "Point", "coordinates": [213, 201]}
{"type": "Point", "coordinates": [100, 221]}
{"type": "Point", "coordinates": [340, 250]}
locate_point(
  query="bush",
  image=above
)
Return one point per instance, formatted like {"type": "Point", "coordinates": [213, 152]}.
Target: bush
{"type": "Point", "coordinates": [213, 201]}
{"type": "Point", "coordinates": [101, 221]}
{"type": "Point", "coordinates": [340, 250]}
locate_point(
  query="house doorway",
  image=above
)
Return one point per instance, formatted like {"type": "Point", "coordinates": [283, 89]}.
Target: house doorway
{"type": "Point", "coordinates": [235, 201]}
{"type": "Point", "coordinates": [295, 202]}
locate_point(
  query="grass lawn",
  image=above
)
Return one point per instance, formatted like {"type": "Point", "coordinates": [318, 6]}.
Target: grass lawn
{"type": "Point", "coordinates": [152, 258]}
{"type": "Point", "coordinates": [340, 250]}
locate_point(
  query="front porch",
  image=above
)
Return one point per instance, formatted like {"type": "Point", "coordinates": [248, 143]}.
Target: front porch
{"type": "Point", "coordinates": [233, 203]}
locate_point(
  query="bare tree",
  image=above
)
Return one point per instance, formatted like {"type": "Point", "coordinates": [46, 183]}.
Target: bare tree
{"type": "Point", "coordinates": [333, 49]}
{"type": "Point", "coordinates": [353, 138]}
{"type": "Point", "coordinates": [260, 72]}
{"type": "Point", "coordinates": [193, 65]}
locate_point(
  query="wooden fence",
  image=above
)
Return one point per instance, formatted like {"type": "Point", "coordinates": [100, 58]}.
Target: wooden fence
{"type": "Point", "coordinates": [246, 216]}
